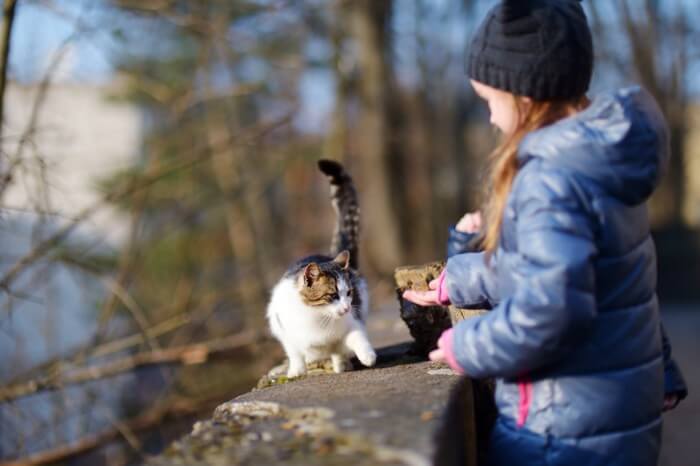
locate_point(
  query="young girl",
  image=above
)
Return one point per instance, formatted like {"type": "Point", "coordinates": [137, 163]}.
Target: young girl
{"type": "Point", "coordinates": [569, 266]}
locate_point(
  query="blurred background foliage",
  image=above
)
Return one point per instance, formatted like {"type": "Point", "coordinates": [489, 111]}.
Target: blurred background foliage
{"type": "Point", "coordinates": [236, 101]}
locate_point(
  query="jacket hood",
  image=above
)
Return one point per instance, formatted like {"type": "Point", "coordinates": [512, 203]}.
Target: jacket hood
{"type": "Point", "coordinates": [620, 141]}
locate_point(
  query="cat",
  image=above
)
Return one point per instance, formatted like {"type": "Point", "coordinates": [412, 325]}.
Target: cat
{"type": "Point", "coordinates": [319, 307]}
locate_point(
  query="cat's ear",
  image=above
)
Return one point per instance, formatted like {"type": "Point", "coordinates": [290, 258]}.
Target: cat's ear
{"type": "Point", "coordinates": [311, 273]}
{"type": "Point", "coordinates": [343, 259]}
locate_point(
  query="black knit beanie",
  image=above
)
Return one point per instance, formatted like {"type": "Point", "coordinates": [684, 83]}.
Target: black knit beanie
{"type": "Point", "coordinates": [540, 49]}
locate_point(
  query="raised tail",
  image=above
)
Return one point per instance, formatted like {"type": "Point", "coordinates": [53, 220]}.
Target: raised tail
{"type": "Point", "coordinates": [347, 209]}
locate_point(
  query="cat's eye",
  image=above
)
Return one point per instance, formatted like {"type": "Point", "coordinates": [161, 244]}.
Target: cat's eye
{"type": "Point", "coordinates": [349, 293]}
{"type": "Point", "coordinates": [334, 297]}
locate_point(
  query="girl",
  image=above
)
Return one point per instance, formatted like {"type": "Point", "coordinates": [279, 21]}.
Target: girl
{"type": "Point", "coordinates": [569, 266]}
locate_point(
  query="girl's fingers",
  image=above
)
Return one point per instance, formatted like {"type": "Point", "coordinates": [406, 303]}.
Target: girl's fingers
{"type": "Point", "coordinates": [416, 297]}
{"type": "Point", "coordinates": [437, 355]}
{"type": "Point", "coordinates": [433, 285]}
{"type": "Point", "coordinates": [422, 298]}
{"type": "Point", "coordinates": [469, 223]}
{"type": "Point", "coordinates": [477, 220]}
{"type": "Point", "coordinates": [465, 225]}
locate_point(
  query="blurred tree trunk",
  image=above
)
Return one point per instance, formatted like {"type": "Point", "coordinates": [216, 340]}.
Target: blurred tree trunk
{"type": "Point", "coordinates": [243, 236]}
{"type": "Point", "coordinates": [659, 41]}
{"type": "Point", "coordinates": [336, 143]}
{"type": "Point", "coordinates": [666, 86]}
{"type": "Point", "coordinates": [370, 21]}
{"type": "Point", "coordinates": [418, 187]}
{"type": "Point", "coordinates": [8, 18]}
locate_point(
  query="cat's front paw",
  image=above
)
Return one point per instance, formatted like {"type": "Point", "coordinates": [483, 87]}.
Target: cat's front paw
{"type": "Point", "coordinates": [296, 371]}
{"type": "Point", "coordinates": [367, 357]}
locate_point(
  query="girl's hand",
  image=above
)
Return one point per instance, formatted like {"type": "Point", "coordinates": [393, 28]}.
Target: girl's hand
{"type": "Point", "coordinates": [670, 402]}
{"type": "Point", "coordinates": [445, 351]}
{"type": "Point", "coordinates": [437, 355]}
{"type": "Point", "coordinates": [470, 223]}
{"type": "Point", "coordinates": [425, 298]}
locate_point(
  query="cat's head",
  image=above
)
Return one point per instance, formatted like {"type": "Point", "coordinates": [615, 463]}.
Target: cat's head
{"type": "Point", "coordinates": [327, 285]}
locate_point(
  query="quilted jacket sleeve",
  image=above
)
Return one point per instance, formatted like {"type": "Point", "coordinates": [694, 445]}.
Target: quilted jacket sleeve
{"type": "Point", "coordinates": [459, 242]}
{"type": "Point", "coordinates": [471, 283]}
{"type": "Point", "coordinates": [552, 304]}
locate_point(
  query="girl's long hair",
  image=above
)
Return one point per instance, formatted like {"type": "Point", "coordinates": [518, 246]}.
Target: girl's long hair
{"type": "Point", "coordinates": [503, 164]}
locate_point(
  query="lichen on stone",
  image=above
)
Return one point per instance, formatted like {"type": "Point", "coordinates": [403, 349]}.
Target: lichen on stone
{"type": "Point", "coordinates": [278, 374]}
{"type": "Point", "coordinates": [382, 416]}
{"type": "Point", "coordinates": [242, 433]}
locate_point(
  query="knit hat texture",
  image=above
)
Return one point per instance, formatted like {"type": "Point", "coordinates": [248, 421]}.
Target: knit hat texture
{"type": "Point", "coordinates": [540, 49]}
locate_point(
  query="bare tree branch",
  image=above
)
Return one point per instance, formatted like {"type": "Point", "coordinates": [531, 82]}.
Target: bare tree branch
{"type": "Point", "coordinates": [106, 349]}
{"type": "Point", "coordinates": [8, 19]}
{"type": "Point", "coordinates": [157, 330]}
{"type": "Point", "coordinates": [120, 292]}
{"type": "Point", "coordinates": [27, 134]}
{"type": "Point", "coordinates": [187, 355]}
{"type": "Point", "coordinates": [154, 417]}
{"type": "Point", "coordinates": [215, 148]}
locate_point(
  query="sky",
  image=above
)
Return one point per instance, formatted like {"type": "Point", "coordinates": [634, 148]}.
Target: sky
{"type": "Point", "coordinates": [39, 32]}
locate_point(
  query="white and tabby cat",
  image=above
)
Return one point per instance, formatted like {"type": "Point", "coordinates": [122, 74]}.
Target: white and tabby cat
{"type": "Point", "coordinates": [319, 307]}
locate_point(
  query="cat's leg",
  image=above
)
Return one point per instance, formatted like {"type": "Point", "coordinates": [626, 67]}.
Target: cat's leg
{"type": "Point", "coordinates": [358, 342]}
{"type": "Point", "coordinates": [297, 365]}
{"type": "Point", "coordinates": [339, 362]}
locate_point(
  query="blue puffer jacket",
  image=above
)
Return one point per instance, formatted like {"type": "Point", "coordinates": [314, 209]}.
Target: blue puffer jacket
{"type": "Point", "coordinates": [574, 337]}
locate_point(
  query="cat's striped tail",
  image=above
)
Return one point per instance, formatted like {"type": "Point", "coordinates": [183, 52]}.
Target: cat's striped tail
{"type": "Point", "coordinates": [347, 209]}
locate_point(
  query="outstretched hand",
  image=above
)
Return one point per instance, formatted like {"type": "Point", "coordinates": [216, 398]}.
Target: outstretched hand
{"type": "Point", "coordinates": [470, 223]}
{"type": "Point", "coordinates": [425, 298]}
{"type": "Point", "coordinates": [445, 351]}
{"type": "Point", "coordinates": [437, 355]}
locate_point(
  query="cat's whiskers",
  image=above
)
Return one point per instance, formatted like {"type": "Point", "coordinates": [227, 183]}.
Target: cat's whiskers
{"type": "Point", "coordinates": [325, 320]}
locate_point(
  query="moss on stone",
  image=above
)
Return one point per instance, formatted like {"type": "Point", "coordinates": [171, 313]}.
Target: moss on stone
{"type": "Point", "coordinates": [259, 432]}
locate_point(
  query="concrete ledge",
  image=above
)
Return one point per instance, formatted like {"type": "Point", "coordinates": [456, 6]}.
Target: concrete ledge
{"type": "Point", "coordinates": [384, 415]}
